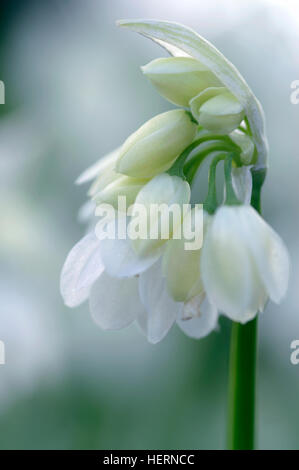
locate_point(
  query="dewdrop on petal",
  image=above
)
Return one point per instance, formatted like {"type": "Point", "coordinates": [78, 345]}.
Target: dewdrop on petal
{"type": "Point", "coordinates": [179, 79]}
{"type": "Point", "coordinates": [154, 146]}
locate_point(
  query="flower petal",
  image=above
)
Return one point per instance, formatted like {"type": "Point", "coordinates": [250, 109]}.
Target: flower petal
{"type": "Point", "coordinates": [121, 260]}
{"type": "Point", "coordinates": [182, 41]}
{"type": "Point", "coordinates": [81, 268]}
{"type": "Point", "coordinates": [181, 265]}
{"type": "Point", "coordinates": [114, 303]}
{"type": "Point", "coordinates": [200, 317]}
{"type": "Point", "coordinates": [162, 310]}
{"type": "Point", "coordinates": [269, 252]}
{"type": "Point", "coordinates": [168, 192]}
{"type": "Point", "coordinates": [118, 255]}
{"type": "Point", "coordinates": [94, 170]}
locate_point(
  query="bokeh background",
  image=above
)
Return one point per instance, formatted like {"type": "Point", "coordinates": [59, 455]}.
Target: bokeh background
{"type": "Point", "coordinates": [74, 91]}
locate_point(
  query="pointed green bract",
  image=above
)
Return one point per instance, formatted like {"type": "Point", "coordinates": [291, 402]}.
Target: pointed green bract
{"type": "Point", "coordinates": [182, 41]}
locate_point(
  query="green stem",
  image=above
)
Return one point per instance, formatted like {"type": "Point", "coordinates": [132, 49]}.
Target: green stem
{"type": "Point", "coordinates": [210, 203]}
{"type": "Point", "coordinates": [242, 377]}
{"type": "Point", "coordinates": [178, 166]}
{"type": "Point", "coordinates": [231, 199]}
{"type": "Point", "coordinates": [242, 365]}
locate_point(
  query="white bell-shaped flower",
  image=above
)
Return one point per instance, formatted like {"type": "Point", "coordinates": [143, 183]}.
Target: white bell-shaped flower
{"type": "Point", "coordinates": [243, 262]}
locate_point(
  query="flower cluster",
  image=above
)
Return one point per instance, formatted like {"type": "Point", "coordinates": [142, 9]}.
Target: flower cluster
{"type": "Point", "coordinates": [242, 261]}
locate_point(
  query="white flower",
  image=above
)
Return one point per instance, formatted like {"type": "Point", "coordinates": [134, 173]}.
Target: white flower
{"type": "Point", "coordinates": [155, 280]}
{"type": "Point", "coordinates": [122, 287]}
{"type": "Point", "coordinates": [117, 300]}
{"type": "Point", "coordinates": [243, 263]}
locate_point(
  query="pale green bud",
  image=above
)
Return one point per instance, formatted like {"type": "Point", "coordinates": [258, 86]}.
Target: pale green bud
{"type": "Point", "coordinates": [179, 79]}
{"type": "Point", "coordinates": [246, 144]}
{"type": "Point", "coordinates": [217, 110]}
{"type": "Point", "coordinates": [121, 186]}
{"type": "Point", "coordinates": [153, 148]}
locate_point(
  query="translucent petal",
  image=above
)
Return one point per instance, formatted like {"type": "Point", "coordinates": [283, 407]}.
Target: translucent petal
{"type": "Point", "coordinates": [269, 252]}
{"type": "Point", "coordinates": [162, 310]}
{"type": "Point", "coordinates": [81, 268]}
{"type": "Point", "coordinates": [200, 318]}
{"type": "Point", "coordinates": [114, 303]}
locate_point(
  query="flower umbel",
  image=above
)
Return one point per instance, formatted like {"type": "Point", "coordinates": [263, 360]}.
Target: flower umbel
{"type": "Point", "coordinates": [157, 282]}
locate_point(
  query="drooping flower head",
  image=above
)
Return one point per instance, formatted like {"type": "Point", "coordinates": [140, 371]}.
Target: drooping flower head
{"type": "Point", "coordinates": [181, 263]}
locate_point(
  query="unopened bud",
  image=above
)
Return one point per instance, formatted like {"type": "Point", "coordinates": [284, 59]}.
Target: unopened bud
{"type": "Point", "coordinates": [153, 148]}
{"type": "Point", "coordinates": [179, 79]}
{"type": "Point", "coordinates": [217, 110]}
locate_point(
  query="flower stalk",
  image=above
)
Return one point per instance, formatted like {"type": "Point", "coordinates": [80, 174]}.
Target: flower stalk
{"type": "Point", "coordinates": [242, 364]}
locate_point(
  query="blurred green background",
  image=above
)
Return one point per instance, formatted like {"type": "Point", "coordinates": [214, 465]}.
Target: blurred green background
{"type": "Point", "coordinates": [74, 91]}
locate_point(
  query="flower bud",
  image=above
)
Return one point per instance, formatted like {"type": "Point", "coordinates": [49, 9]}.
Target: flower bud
{"type": "Point", "coordinates": [217, 110]}
{"type": "Point", "coordinates": [153, 148]}
{"type": "Point", "coordinates": [121, 186]}
{"type": "Point", "coordinates": [179, 79]}
{"type": "Point", "coordinates": [246, 145]}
